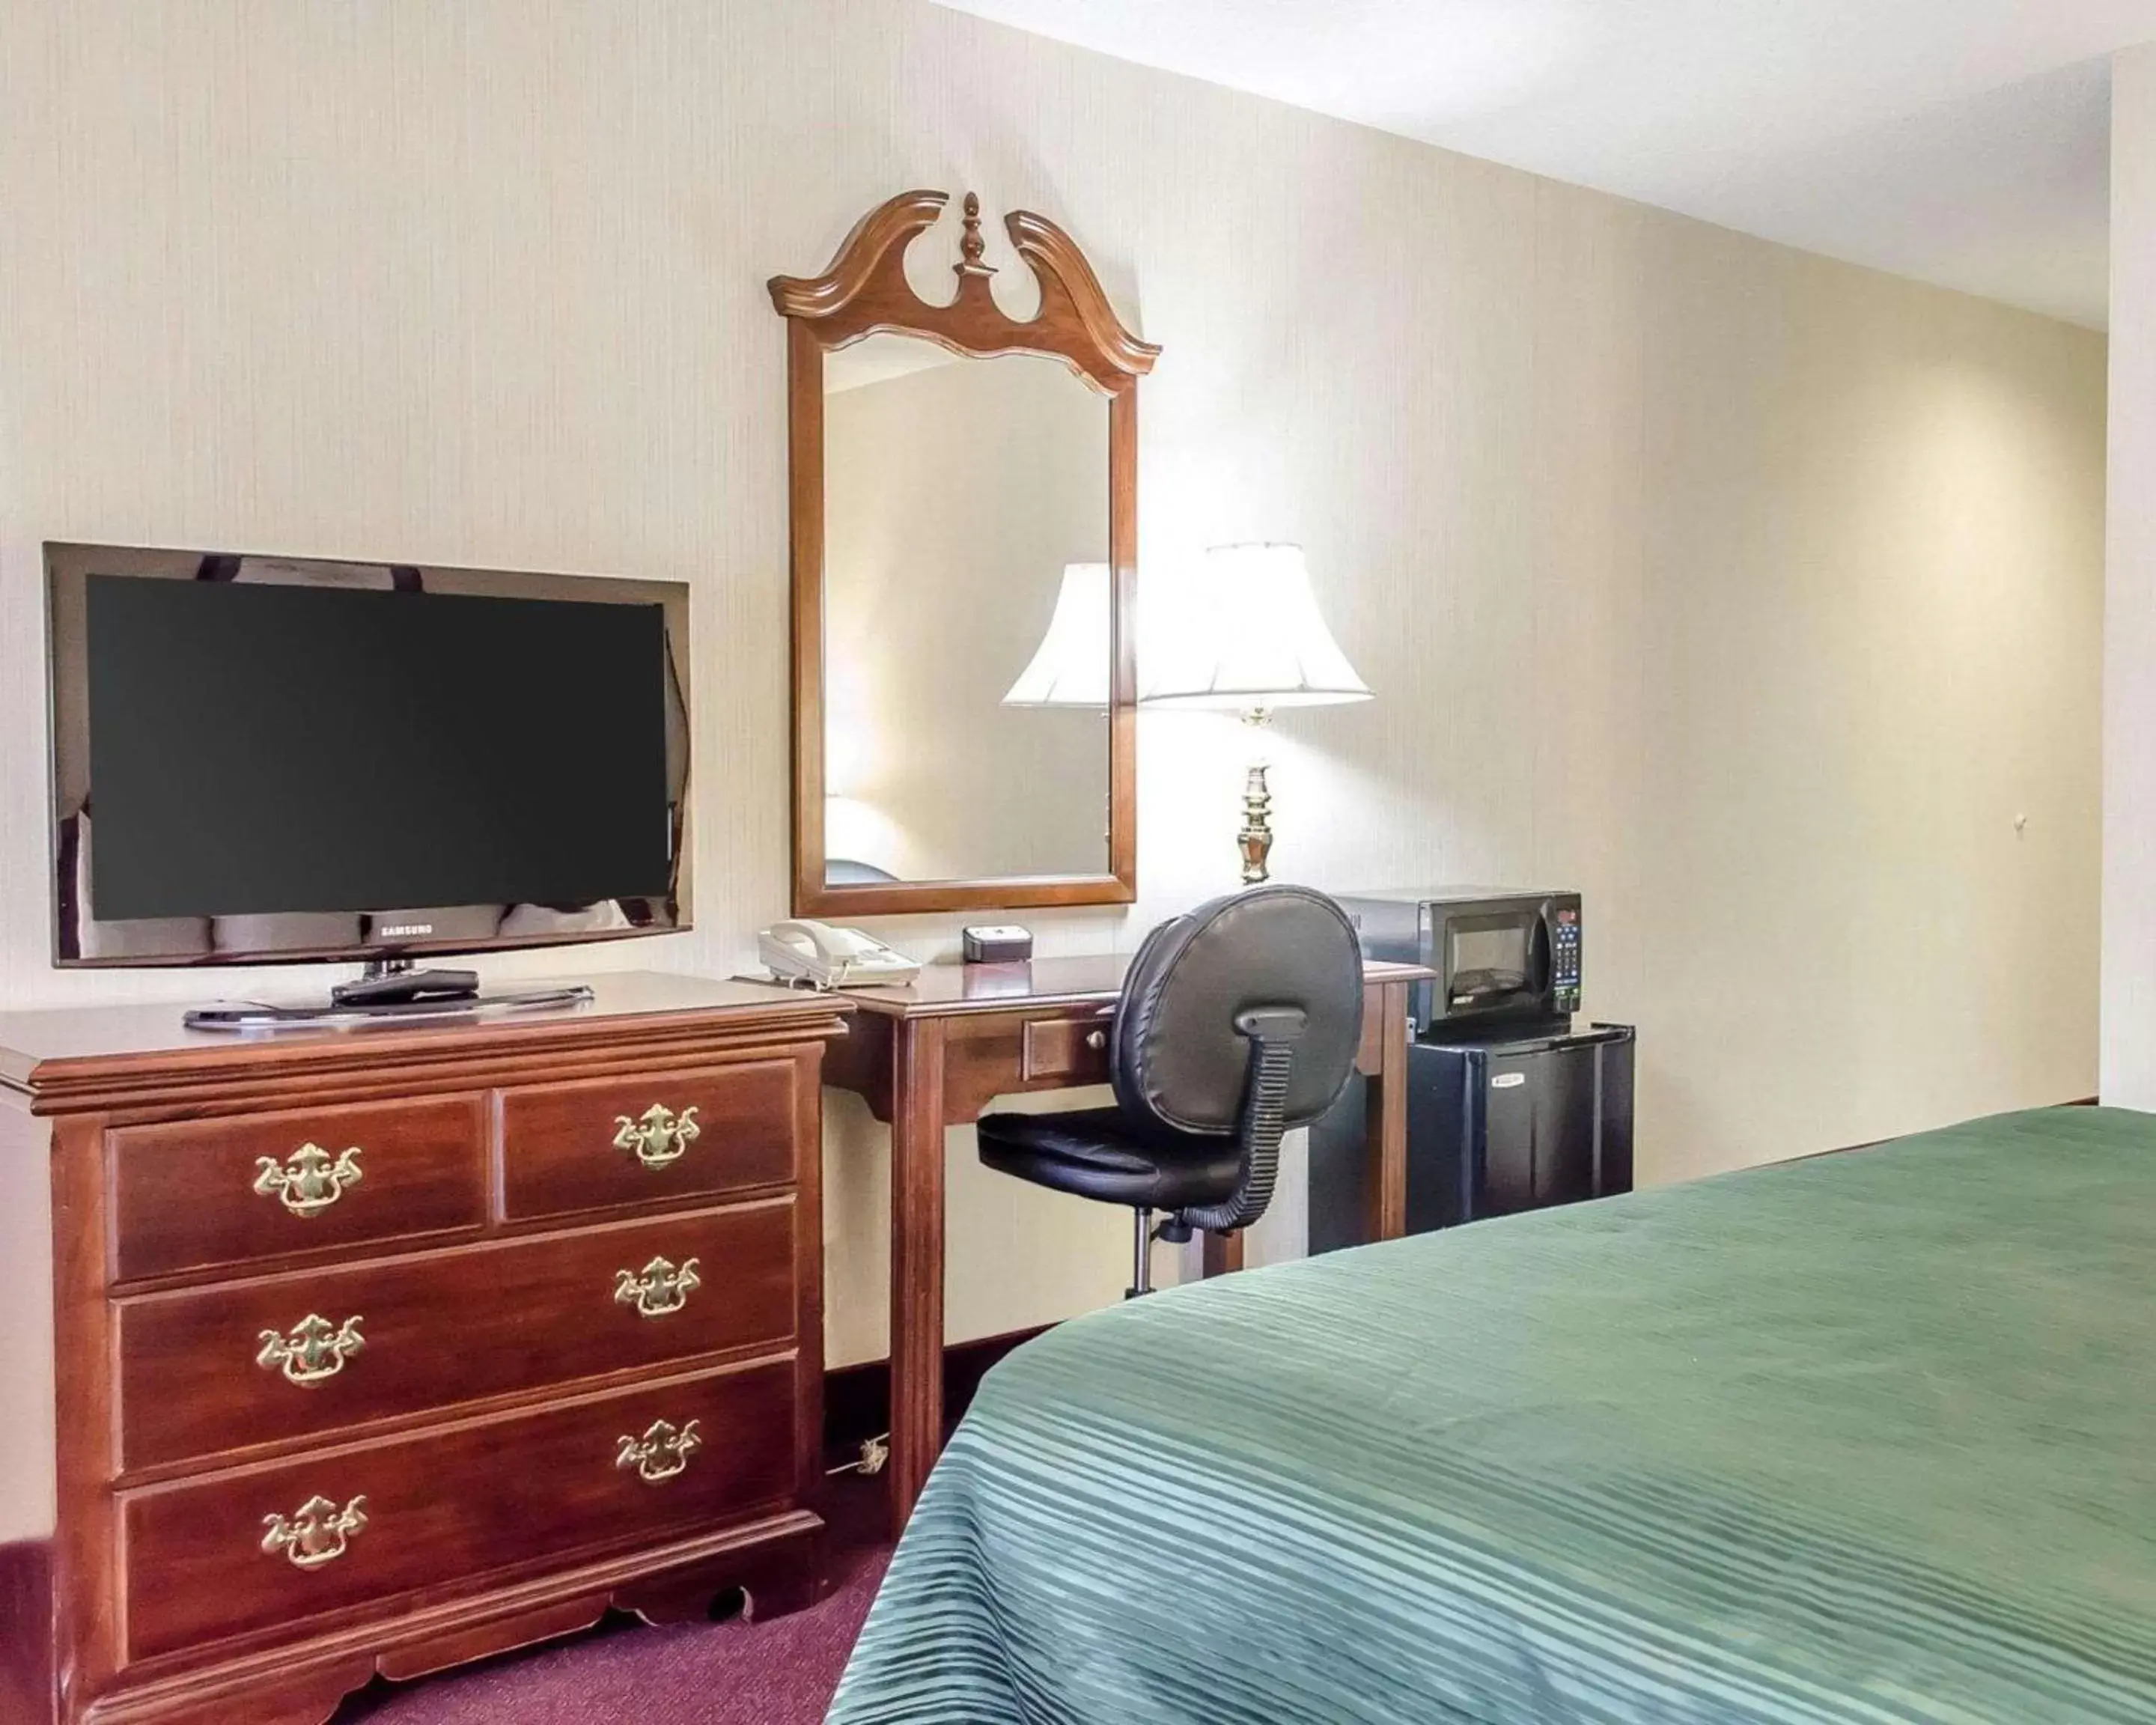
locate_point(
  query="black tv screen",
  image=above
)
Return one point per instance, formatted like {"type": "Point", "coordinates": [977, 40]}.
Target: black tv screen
{"type": "Point", "coordinates": [280, 763]}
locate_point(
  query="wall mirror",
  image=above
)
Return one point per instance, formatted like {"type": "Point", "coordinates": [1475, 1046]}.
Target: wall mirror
{"type": "Point", "coordinates": [964, 533]}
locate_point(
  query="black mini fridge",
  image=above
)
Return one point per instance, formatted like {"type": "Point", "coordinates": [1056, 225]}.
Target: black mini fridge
{"type": "Point", "coordinates": [1496, 1123]}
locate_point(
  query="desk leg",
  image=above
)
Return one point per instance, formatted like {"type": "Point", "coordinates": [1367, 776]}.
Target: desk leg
{"type": "Point", "coordinates": [917, 1262]}
{"type": "Point", "coordinates": [1386, 1119]}
{"type": "Point", "coordinates": [1222, 1253]}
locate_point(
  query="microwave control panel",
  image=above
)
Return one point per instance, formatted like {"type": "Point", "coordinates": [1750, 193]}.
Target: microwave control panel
{"type": "Point", "coordinates": [1564, 960]}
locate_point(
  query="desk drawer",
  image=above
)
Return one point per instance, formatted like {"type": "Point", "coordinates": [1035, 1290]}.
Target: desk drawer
{"type": "Point", "coordinates": [569, 1148]}
{"type": "Point", "coordinates": [1073, 1051]}
{"type": "Point", "coordinates": [263, 1549]}
{"type": "Point", "coordinates": [274, 1359]}
{"type": "Point", "coordinates": [204, 1193]}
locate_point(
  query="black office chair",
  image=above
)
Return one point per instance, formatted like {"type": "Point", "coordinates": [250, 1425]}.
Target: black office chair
{"type": "Point", "coordinates": [1237, 1022]}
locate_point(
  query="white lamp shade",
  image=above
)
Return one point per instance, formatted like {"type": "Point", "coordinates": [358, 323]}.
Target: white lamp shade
{"type": "Point", "coordinates": [1246, 633]}
{"type": "Point", "coordinates": [1071, 667]}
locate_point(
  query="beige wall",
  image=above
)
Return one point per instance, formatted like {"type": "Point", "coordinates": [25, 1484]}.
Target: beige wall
{"type": "Point", "coordinates": [1756, 595]}
{"type": "Point", "coordinates": [2129, 661]}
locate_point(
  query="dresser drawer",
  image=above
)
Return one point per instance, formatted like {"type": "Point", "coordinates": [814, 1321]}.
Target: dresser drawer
{"type": "Point", "coordinates": [682, 1135]}
{"type": "Point", "coordinates": [292, 1357]}
{"type": "Point", "coordinates": [202, 1194]}
{"type": "Point", "coordinates": [274, 1546]}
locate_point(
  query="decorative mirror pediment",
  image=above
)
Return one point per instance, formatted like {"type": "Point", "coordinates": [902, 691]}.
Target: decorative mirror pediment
{"type": "Point", "coordinates": [964, 530]}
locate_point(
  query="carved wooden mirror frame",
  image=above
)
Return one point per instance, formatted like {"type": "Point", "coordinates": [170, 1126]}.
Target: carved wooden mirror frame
{"type": "Point", "coordinates": [866, 292]}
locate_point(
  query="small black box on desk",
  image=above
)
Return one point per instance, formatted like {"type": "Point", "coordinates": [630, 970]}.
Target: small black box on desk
{"type": "Point", "coordinates": [996, 943]}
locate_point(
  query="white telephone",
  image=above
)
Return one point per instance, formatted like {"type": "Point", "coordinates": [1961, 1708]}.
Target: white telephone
{"type": "Point", "coordinates": [828, 957]}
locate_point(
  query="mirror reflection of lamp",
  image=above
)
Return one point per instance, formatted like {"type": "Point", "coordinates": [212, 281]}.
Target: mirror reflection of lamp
{"type": "Point", "coordinates": [1247, 636]}
{"type": "Point", "coordinates": [1070, 666]}
{"type": "Point", "coordinates": [856, 828]}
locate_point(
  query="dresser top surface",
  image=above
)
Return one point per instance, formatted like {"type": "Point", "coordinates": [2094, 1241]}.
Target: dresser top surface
{"type": "Point", "coordinates": [38, 1044]}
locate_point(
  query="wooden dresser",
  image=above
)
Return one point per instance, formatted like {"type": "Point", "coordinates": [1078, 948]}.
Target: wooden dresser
{"type": "Point", "coordinates": [380, 1350]}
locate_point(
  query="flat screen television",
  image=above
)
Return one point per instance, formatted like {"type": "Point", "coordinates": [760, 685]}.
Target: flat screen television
{"type": "Point", "coordinates": [260, 759]}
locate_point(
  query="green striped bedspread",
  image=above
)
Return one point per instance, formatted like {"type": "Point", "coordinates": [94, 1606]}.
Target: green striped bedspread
{"type": "Point", "coordinates": [1868, 1438]}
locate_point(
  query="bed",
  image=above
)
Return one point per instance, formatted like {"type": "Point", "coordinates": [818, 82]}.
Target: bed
{"type": "Point", "coordinates": [1866, 1438]}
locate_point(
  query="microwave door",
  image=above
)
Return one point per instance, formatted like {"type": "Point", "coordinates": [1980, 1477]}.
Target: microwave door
{"type": "Point", "coordinates": [1487, 987]}
{"type": "Point", "coordinates": [1486, 962]}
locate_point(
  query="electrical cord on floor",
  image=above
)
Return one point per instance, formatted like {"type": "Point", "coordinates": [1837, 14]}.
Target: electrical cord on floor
{"type": "Point", "coordinates": [874, 1452]}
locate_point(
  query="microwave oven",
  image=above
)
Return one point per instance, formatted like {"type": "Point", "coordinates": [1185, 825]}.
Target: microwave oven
{"type": "Point", "coordinates": [1503, 958]}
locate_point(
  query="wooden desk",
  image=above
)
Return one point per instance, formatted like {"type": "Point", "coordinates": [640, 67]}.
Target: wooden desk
{"type": "Point", "coordinates": [934, 1053]}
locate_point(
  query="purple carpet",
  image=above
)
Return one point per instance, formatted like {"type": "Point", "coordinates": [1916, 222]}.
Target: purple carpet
{"type": "Point", "coordinates": [777, 1673]}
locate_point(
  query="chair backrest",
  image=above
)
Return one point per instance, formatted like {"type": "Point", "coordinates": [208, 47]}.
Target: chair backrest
{"type": "Point", "coordinates": [1180, 1061]}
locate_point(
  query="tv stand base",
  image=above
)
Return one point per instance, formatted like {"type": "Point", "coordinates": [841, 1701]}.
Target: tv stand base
{"type": "Point", "coordinates": [392, 983]}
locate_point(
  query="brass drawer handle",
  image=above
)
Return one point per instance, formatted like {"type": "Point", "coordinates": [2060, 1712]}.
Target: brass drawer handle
{"type": "Point", "coordinates": [315, 1351]}
{"type": "Point", "coordinates": [661, 1290]}
{"type": "Point", "coordinates": [658, 1136]}
{"type": "Point", "coordinates": [317, 1533]}
{"type": "Point", "coordinates": [309, 1181]}
{"type": "Point", "coordinates": [661, 1453]}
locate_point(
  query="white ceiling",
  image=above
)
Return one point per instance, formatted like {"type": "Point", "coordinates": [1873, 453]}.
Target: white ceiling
{"type": "Point", "coordinates": [1962, 141]}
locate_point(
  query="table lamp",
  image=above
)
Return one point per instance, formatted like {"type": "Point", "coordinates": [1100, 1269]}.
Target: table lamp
{"type": "Point", "coordinates": [1252, 640]}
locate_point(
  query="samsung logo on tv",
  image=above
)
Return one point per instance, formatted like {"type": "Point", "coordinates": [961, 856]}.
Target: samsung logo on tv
{"type": "Point", "coordinates": [397, 928]}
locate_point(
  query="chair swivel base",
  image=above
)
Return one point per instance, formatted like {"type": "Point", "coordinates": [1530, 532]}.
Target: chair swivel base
{"type": "Point", "coordinates": [1172, 1228]}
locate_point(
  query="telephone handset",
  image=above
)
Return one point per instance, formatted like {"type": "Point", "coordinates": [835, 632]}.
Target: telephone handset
{"type": "Point", "coordinates": [828, 957]}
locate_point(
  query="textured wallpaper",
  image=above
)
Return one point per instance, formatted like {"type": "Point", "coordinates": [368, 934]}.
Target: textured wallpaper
{"type": "Point", "coordinates": [1757, 596]}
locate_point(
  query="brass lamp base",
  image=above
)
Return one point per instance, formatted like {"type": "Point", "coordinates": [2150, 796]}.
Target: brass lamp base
{"type": "Point", "coordinates": [1256, 836]}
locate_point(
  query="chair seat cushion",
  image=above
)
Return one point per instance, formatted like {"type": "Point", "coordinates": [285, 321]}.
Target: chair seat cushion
{"type": "Point", "coordinates": [1095, 1153]}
